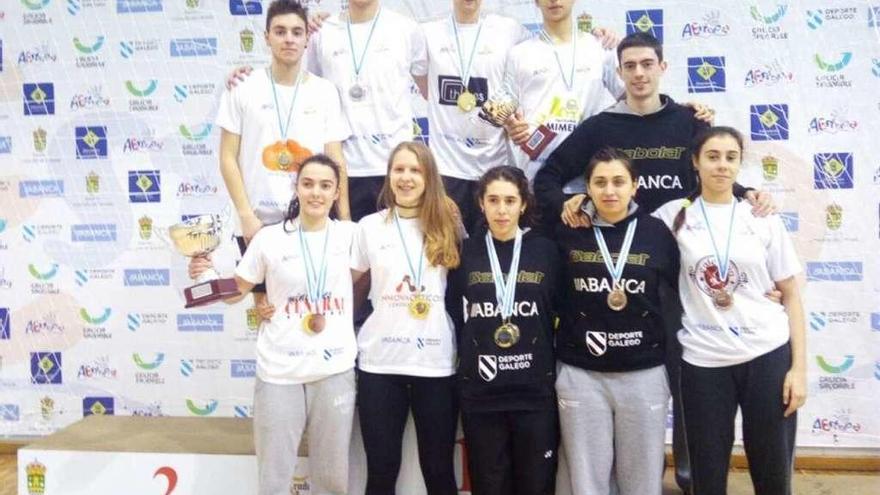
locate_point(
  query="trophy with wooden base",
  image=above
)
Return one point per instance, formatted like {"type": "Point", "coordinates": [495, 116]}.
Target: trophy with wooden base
{"type": "Point", "coordinates": [200, 236]}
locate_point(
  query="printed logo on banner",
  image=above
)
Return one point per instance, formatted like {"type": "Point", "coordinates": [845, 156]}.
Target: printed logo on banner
{"type": "Point", "coordinates": [141, 101]}
{"type": "Point", "coordinates": [46, 368]}
{"type": "Point", "coordinates": [706, 75]}
{"type": "Point", "coordinates": [147, 371]}
{"type": "Point", "coordinates": [98, 369]}
{"type": "Point", "coordinates": [130, 48]}
{"type": "Point", "coordinates": [202, 410]}
{"type": "Point", "coordinates": [43, 188]}
{"type": "Point", "coordinates": [36, 15]}
{"type": "Point", "coordinates": [200, 322]}
{"type": "Point", "coordinates": [36, 478]}
{"type": "Point", "coordinates": [833, 216]}
{"type": "Point", "coordinates": [91, 142]}
{"type": "Point", "coordinates": [843, 367]}
{"type": "Point", "coordinates": [5, 145]}
{"type": "Point", "coordinates": [144, 186]}
{"type": "Point", "coordinates": [791, 220]}
{"type": "Point", "coordinates": [89, 53]}
{"type": "Point", "coordinates": [875, 322]}
{"type": "Point", "coordinates": [832, 77]}
{"type": "Point", "coordinates": [840, 422]}
{"type": "Point", "coordinates": [817, 18]}
{"type": "Point", "coordinates": [138, 6]}
{"type": "Point", "coordinates": [708, 26]}
{"type": "Point", "coordinates": [243, 411]}
{"type": "Point", "coordinates": [93, 98]}
{"type": "Point", "coordinates": [818, 320]}
{"type": "Point", "coordinates": [93, 232]}
{"type": "Point", "coordinates": [146, 89]}
{"type": "Point", "coordinates": [451, 87]}
{"type": "Point", "coordinates": [40, 54]}
{"type": "Point", "coordinates": [769, 122]}
{"type": "Point", "coordinates": [148, 365]}
{"type": "Point", "coordinates": [193, 47]}
{"type": "Point", "coordinates": [196, 187]}
{"type": "Point", "coordinates": [834, 271]}
{"type": "Point", "coordinates": [10, 412]}
{"type": "Point", "coordinates": [87, 49]}
{"type": "Point", "coordinates": [98, 406]}
{"type": "Point", "coordinates": [245, 7]}
{"type": "Point", "coordinates": [196, 135]}
{"type": "Point", "coordinates": [874, 16]}
{"type": "Point", "coordinates": [242, 368]}
{"type": "Point", "coordinates": [144, 277]}
{"type": "Point", "coordinates": [5, 324]}
{"type": "Point", "coordinates": [835, 122]}
{"type": "Point", "coordinates": [43, 275]}
{"type": "Point", "coordinates": [146, 142]}
{"type": "Point", "coordinates": [768, 25]}
{"type": "Point", "coordinates": [184, 91]}
{"type": "Point", "coordinates": [645, 21]}
{"type": "Point", "coordinates": [833, 171]}
{"type": "Point", "coordinates": [39, 98]}
{"type": "Point", "coordinates": [95, 320]}
{"type": "Point", "coordinates": [768, 74]}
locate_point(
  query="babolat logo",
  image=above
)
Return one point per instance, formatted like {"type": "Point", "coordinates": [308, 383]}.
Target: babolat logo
{"type": "Point", "coordinates": [831, 77]}
{"type": "Point", "coordinates": [46, 368]}
{"type": "Point", "coordinates": [706, 75]}
{"type": "Point", "coordinates": [91, 142]}
{"type": "Point", "coordinates": [834, 271]}
{"type": "Point", "coordinates": [769, 122]}
{"type": "Point", "coordinates": [645, 21]}
{"type": "Point", "coordinates": [200, 322]}
{"type": "Point", "coordinates": [833, 171]}
{"type": "Point", "coordinates": [710, 25]}
{"type": "Point", "coordinates": [41, 188]}
{"type": "Point", "coordinates": [245, 7]}
{"type": "Point", "coordinates": [140, 277]}
{"type": "Point", "coordinates": [243, 368]}
{"type": "Point", "coordinates": [39, 98]}
{"type": "Point", "coordinates": [138, 6]}
{"type": "Point", "coordinates": [193, 47]}
{"type": "Point", "coordinates": [201, 410]}
{"type": "Point", "coordinates": [93, 232]}
{"type": "Point", "coordinates": [768, 28]}
{"type": "Point", "coordinates": [98, 406]}
{"type": "Point", "coordinates": [144, 186]}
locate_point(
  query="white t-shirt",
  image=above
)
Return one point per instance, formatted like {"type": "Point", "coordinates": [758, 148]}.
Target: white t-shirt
{"type": "Point", "coordinates": [384, 117]}
{"type": "Point", "coordinates": [286, 354]}
{"type": "Point", "coordinates": [391, 340]}
{"type": "Point", "coordinates": [535, 77]}
{"type": "Point", "coordinates": [249, 111]}
{"type": "Point", "coordinates": [463, 145]}
{"type": "Point", "coordinates": [761, 253]}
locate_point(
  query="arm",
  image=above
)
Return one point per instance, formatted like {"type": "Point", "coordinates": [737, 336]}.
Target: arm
{"type": "Point", "coordinates": [794, 390]}
{"type": "Point", "coordinates": [418, 56]}
{"type": "Point", "coordinates": [455, 287]}
{"type": "Point", "coordinates": [200, 264]}
{"type": "Point", "coordinates": [564, 164]}
{"type": "Point", "coordinates": [333, 149]}
{"type": "Point", "coordinates": [230, 144]}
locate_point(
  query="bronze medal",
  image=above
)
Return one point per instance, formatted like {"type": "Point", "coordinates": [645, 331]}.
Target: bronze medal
{"type": "Point", "coordinates": [506, 335]}
{"type": "Point", "coordinates": [617, 299]}
{"type": "Point", "coordinates": [313, 323]}
{"type": "Point", "coordinates": [722, 300]}
{"type": "Point", "coordinates": [419, 307]}
{"type": "Point", "coordinates": [466, 101]}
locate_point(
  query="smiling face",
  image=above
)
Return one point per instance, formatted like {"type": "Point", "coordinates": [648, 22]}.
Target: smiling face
{"type": "Point", "coordinates": [641, 71]}
{"type": "Point", "coordinates": [286, 38]}
{"type": "Point", "coordinates": [502, 205]}
{"type": "Point", "coordinates": [718, 163]}
{"type": "Point", "coordinates": [406, 176]}
{"type": "Point", "coordinates": [317, 189]}
{"type": "Point", "coordinates": [611, 186]}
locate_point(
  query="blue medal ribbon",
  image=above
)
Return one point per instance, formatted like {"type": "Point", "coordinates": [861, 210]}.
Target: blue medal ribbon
{"type": "Point", "coordinates": [416, 276]}
{"type": "Point", "coordinates": [616, 270]}
{"type": "Point", "coordinates": [569, 82]}
{"type": "Point", "coordinates": [316, 279]}
{"type": "Point", "coordinates": [466, 73]}
{"type": "Point", "coordinates": [284, 127]}
{"type": "Point", "coordinates": [505, 293]}
{"type": "Point", "coordinates": [723, 264]}
{"type": "Point", "coordinates": [354, 61]}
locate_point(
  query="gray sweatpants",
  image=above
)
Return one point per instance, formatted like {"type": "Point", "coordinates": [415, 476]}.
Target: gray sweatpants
{"type": "Point", "coordinates": [283, 412]}
{"type": "Point", "coordinates": [613, 427]}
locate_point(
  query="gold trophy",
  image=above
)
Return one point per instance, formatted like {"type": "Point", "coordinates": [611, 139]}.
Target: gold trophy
{"type": "Point", "coordinates": [200, 236]}
{"type": "Point", "coordinates": [500, 105]}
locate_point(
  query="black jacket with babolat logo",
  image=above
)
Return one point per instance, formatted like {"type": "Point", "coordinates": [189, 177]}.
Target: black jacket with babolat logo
{"type": "Point", "coordinates": [522, 376]}
{"type": "Point", "coordinates": [591, 335]}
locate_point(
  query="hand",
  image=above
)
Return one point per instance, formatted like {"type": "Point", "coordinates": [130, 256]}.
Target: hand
{"type": "Point", "coordinates": [702, 112]}
{"type": "Point", "coordinates": [609, 38]}
{"type": "Point", "coordinates": [774, 295]}
{"type": "Point", "coordinates": [265, 310]}
{"type": "Point", "coordinates": [199, 265]}
{"type": "Point", "coordinates": [794, 390]}
{"type": "Point", "coordinates": [572, 214]}
{"type": "Point", "coordinates": [250, 225]}
{"type": "Point", "coordinates": [238, 74]}
{"type": "Point", "coordinates": [761, 201]}
{"type": "Point", "coordinates": [316, 20]}
{"type": "Point", "coordinates": [517, 128]}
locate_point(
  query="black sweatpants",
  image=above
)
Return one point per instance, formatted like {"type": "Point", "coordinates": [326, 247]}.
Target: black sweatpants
{"type": "Point", "coordinates": [711, 396]}
{"type": "Point", "coordinates": [363, 194]}
{"type": "Point", "coordinates": [512, 452]}
{"type": "Point", "coordinates": [463, 192]}
{"type": "Point", "coordinates": [384, 402]}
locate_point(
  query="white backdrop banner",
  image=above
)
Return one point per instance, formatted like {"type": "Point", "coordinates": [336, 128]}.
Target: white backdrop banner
{"type": "Point", "coordinates": [106, 137]}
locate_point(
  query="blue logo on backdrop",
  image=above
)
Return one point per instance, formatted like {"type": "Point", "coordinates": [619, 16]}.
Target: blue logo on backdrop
{"type": "Point", "coordinates": [138, 6]}
{"type": "Point", "coordinates": [41, 188]}
{"type": "Point", "coordinates": [98, 406]}
{"type": "Point", "coordinates": [141, 277]}
{"type": "Point", "coordinates": [144, 186]}
{"type": "Point", "coordinates": [93, 232]}
{"type": "Point", "coordinates": [46, 368]}
{"type": "Point", "coordinates": [706, 75]}
{"type": "Point", "coordinates": [833, 171]}
{"type": "Point", "coordinates": [91, 142]}
{"type": "Point", "coordinates": [5, 145]}
{"type": "Point", "coordinates": [245, 7]}
{"type": "Point", "coordinates": [193, 47]}
{"type": "Point", "coordinates": [39, 98]}
{"type": "Point", "coordinates": [875, 322]}
{"type": "Point", "coordinates": [9, 412]}
{"type": "Point", "coordinates": [200, 322]}
{"type": "Point", "coordinates": [834, 271]}
{"type": "Point", "coordinates": [769, 122]}
{"type": "Point", "coordinates": [874, 16]}
{"type": "Point", "coordinates": [421, 129]}
{"type": "Point", "coordinates": [645, 21]}
{"type": "Point", "coordinates": [791, 220]}
{"type": "Point", "coordinates": [243, 368]}
{"type": "Point", "coordinates": [5, 327]}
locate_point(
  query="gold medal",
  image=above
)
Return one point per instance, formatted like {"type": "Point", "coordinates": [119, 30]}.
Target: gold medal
{"type": "Point", "coordinates": [617, 299]}
{"type": "Point", "coordinates": [419, 307]}
{"type": "Point", "coordinates": [722, 300]}
{"type": "Point", "coordinates": [284, 159]}
{"type": "Point", "coordinates": [506, 335]}
{"type": "Point", "coordinates": [313, 323]}
{"type": "Point", "coordinates": [466, 101]}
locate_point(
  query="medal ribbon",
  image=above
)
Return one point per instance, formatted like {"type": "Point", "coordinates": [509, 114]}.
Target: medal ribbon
{"type": "Point", "coordinates": [722, 264]}
{"type": "Point", "coordinates": [357, 65]}
{"type": "Point", "coordinates": [466, 74]}
{"type": "Point", "coordinates": [505, 293]}
{"type": "Point", "coordinates": [316, 280]}
{"type": "Point", "coordinates": [569, 83]}
{"type": "Point", "coordinates": [282, 127]}
{"type": "Point", "coordinates": [616, 270]}
{"type": "Point", "coordinates": [417, 276]}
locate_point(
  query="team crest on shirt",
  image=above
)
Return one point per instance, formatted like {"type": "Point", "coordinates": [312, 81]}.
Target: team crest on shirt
{"type": "Point", "coordinates": [487, 366]}
{"type": "Point", "coordinates": [597, 343]}
{"type": "Point", "coordinates": [707, 276]}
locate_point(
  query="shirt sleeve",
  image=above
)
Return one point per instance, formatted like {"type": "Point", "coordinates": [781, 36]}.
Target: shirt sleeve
{"type": "Point", "coordinates": [360, 259]}
{"type": "Point", "coordinates": [337, 128]}
{"type": "Point", "coordinates": [564, 164]}
{"type": "Point", "coordinates": [455, 286]}
{"type": "Point", "coordinates": [252, 266]}
{"type": "Point", "coordinates": [782, 259]}
{"type": "Point", "coordinates": [313, 55]}
{"type": "Point", "coordinates": [229, 112]}
{"type": "Point", "coordinates": [418, 51]}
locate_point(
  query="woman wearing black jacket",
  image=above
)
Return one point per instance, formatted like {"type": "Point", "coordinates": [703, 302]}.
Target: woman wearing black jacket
{"type": "Point", "coordinates": [506, 362]}
{"type": "Point", "coordinates": [612, 385]}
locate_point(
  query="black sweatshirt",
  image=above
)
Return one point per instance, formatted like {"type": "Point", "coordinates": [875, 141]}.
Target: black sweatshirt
{"type": "Point", "coordinates": [659, 144]}
{"type": "Point", "coordinates": [593, 336]}
{"type": "Point", "coordinates": [522, 376]}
